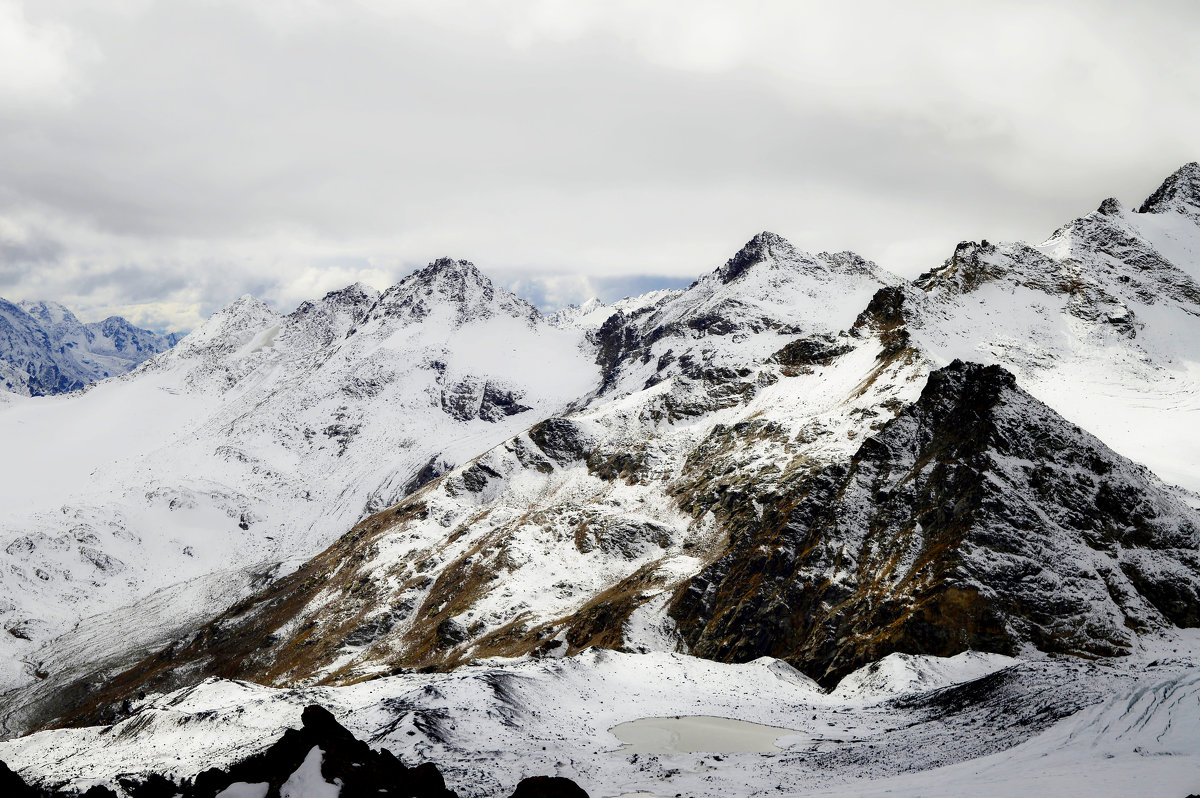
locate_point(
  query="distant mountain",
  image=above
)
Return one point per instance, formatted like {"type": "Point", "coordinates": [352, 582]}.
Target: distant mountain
{"type": "Point", "coordinates": [45, 349]}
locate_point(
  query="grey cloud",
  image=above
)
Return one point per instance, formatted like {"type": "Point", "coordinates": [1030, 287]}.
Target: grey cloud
{"type": "Point", "coordinates": [209, 148]}
{"type": "Point", "coordinates": [20, 255]}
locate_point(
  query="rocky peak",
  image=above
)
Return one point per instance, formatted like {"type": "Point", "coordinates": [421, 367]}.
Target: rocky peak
{"type": "Point", "coordinates": [1180, 193]}
{"type": "Point", "coordinates": [334, 316]}
{"type": "Point", "coordinates": [971, 265]}
{"type": "Point", "coordinates": [764, 247]}
{"type": "Point", "coordinates": [965, 384]}
{"type": "Point", "coordinates": [228, 329]}
{"type": "Point", "coordinates": [977, 518]}
{"type": "Point", "coordinates": [1105, 258]}
{"type": "Point", "coordinates": [246, 304]}
{"type": "Point", "coordinates": [456, 284]}
{"type": "Point", "coordinates": [451, 271]}
{"type": "Point", "coordinates": [355, 295]}
{"type": "Point", "coordinates": [591, 304]}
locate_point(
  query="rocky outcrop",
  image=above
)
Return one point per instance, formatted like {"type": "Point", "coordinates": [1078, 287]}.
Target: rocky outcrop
{"type": "Point", "coordinates": [321, 757]}
{"type": "Point", "coordinates": [978, 518]}
{"type": "Point", "coordinates": [1179, 193]}
{"type": "Point", "coordinates": [472, 398]}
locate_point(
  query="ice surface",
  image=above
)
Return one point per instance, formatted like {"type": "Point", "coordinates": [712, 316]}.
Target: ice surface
{"type": "Point", "coordinates": [697, 734]}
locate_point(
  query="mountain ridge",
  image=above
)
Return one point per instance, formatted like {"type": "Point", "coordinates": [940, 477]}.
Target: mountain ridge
{"type": "Point", "coordinates": [763, 464]}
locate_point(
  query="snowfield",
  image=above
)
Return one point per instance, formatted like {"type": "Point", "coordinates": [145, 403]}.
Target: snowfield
{"type": "Point", "coordinates": [906, 726]}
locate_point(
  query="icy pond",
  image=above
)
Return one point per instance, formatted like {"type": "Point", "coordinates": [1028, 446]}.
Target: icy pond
{"type": "Point", "coordinates": [698, 734]}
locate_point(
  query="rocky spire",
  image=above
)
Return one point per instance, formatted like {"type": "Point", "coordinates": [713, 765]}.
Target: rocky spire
{"type": "Point", "coordinates": [1180, 193]}
{"type": "Point", "coordinates": [763, 247]}
{"type": "Point", "coordinates": [454, 283]}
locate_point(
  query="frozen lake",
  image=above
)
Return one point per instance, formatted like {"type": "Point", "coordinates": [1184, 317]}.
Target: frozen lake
{"type": "Point", "coordinates": [697, 734]}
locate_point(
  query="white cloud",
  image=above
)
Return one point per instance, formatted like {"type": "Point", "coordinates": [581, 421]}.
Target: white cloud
{"type": "Point", "coordinates": [176, 154]}
{"type": "Point", "coordinates": [36, 60]}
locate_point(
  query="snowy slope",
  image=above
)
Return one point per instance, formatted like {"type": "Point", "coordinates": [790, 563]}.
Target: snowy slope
{"type": "Point", "coordinates": [526, 544]}
{"type": "Point", "coordinates": [716, 409]}
{"type": "Point", "coordinates": [1100, 322]}
{"type": "Point", "coordinates": [938, 726]}
{"type": "Point", "coordinates": [262, 437]}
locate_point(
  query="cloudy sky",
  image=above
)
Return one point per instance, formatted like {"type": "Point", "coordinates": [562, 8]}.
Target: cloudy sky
{"type": "Point", "coordinates": [160, 158]}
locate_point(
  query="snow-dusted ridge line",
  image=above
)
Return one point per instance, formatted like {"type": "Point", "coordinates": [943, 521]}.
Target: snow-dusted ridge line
{"type": "Point", "coordinates": [577, 522]}
{"type": "Point", "coordinates": [692, 446]}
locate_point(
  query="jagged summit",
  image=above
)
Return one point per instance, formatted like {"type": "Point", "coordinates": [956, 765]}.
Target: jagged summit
{"type": "Point", "coordinates": [444, 271]}
{"type": "Point", "coordinates": [928, 539]}
{"type": "Point", "coordinates": [450, 283]}
{"type": "Point", "coordinates": [451, 268]}
{"type": "Point", "coordinates": [1180, 193]}
{"type": "Point", "coordinates": [227, 330]}
{"type": "Point", "coordinates": [353, 294]}
{"type": "Point", "coordinates": [763, 247]}
{"type": "Point", "coordinates": [769, 248]}
{"type": "Point", "coordinates": [242, 304]}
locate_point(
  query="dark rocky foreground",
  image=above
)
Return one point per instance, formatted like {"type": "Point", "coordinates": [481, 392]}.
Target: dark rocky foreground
{"type": "Point", "coordinates": [977, 518]}
{"type": "Point", "coordinates": [321, 747]}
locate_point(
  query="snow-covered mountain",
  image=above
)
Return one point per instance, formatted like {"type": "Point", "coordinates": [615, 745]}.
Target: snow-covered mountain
{"type": "Point", "coordinates": [1100, 321]}
{"type": "Point", "coordinates": [45, 349]}
{"type": "Point", "coordinates": [799, 456]}
{"type": "Point", "coordinates": [261, 437]}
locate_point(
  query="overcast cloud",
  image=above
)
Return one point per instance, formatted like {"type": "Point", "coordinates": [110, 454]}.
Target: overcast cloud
{"type": "Point", "coordinates": [158, 159]}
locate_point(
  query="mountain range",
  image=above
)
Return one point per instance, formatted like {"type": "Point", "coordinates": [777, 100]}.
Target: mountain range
{"type": "Point", "coordinates": [798, 471]}
{"type": "Point", "coordinates": [45, 349]}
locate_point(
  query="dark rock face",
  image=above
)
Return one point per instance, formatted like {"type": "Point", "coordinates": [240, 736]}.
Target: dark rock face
{"type": "Point", "coordinates": [321, 747]}
{"type": "Point", "coordinates": [14, 786]}
{"type": "Point", "coordinates": [816, 350]}
{"type": "Point", "coordinates": [498, 403]}
{"type": "Point", "coordinates": [432, 469]}
{"type": "Point", "coordinates": [617, 339]}
{"type": "Point", "coordinates": [885, 316]}
{"type": "Point", "coordinates": [342, 757]}
{"type": "Point", "coordinates": [561, 440]}
{"type": "Point", "coordinates": [474, 398]}
{"type": "Point", "coordinates": [548, 787]}
{"type": "Point", "coordinates": [758, 249]}
{"type": "Point", "coordinates": [1179, 192]}
{"type": "Point", "coordinates": [977, 518]}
